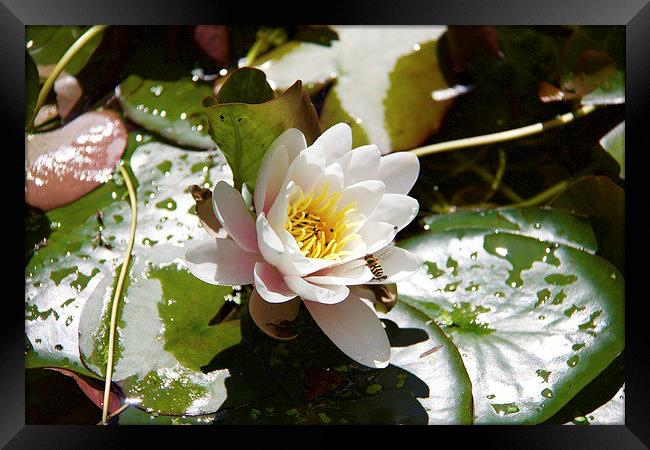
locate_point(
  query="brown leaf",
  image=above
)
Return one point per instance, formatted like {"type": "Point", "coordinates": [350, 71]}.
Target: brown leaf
{"type": "Point", "coordinates": [94, 390]}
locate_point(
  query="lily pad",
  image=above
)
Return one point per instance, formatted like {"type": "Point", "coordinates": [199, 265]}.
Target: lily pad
{"type": "Point", "coordinates": [169, 108]}
{"type": "Point", "coordinates": [85, 248]}
{"type": "Point", "coordinates": [47, 44]}
{"type": "Point", "coordinates": [384, 80]}
{"type": "Point", "coordinates": [534, 320]}
{"type": "Point", "coordinates": [553, 225]}
{"type": "Point", "coordinates": [425, 383]}
{"type": "Point", "coordinates": [614, 144]}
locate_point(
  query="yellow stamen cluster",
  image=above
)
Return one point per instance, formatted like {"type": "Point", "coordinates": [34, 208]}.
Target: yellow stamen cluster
{"type": "Point", "coordinates": [320, 227]}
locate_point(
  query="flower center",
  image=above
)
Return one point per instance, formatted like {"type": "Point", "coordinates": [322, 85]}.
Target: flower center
{"type": "Point", "coordinates": [320, 227]}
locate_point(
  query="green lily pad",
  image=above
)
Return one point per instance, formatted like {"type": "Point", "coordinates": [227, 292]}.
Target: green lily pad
{"type": "Point", "coordinates": [47, 44]}
{"type": "Point", "coordinates": [245, 131]}
{"type": "Point", "coordinates": [614, 144]}
{"type": "Point", "coordinates": [553, 225]}
{"type": "Point", "coordinates": [315, 383]}
{"type": "Point", "coordinates": [534, 320]}
{"type": "Point", "coordinates": [609, 92]}
{"type": "Point", "coordinates": [170, 108]}
{"type": "Point", "coordinates": [84, 250]}
{"type": "Point", "coordinates": [384, 80]}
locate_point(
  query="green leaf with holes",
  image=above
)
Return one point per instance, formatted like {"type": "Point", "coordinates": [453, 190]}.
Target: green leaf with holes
{"type": "Point", "coordinates": [47, 44]}
{"type": "Point", "coordinates": [171, 109]}
{"type": "Point", "coordinates": [535, 320]}
{"type": "Point", "coordinates": [245, 131]}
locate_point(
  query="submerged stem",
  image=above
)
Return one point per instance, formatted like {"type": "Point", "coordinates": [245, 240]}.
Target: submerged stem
{"type": "Point", "coordinates": [118, 289]}
{"type": "Point", "coordinates": [502, 136]}
{"type": "Point", "coordinates": [65, 59]}
{"type": "Point", "coordinates": [115, 413]}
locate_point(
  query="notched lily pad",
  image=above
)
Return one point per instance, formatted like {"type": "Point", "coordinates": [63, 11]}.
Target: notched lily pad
{"type": "Point", "coordinates": [534, 321]}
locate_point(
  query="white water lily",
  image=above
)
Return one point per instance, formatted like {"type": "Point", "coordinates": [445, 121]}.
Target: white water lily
{"type": "Point", "coordinates": [320, 211]}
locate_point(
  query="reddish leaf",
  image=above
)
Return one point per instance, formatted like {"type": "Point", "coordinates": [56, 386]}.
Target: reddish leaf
{"type": "Point", "coordinates": [318, 382]}
{"type": "Point", "coordinates": [67, 163]}
{"type": "Point", "coordinates": [94, 390]}
{"type": "Point", "coordinates": [215, 41]}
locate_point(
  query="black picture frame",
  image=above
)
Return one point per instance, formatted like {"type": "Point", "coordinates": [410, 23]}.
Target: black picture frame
{"type": "Point", "coordinates": [634, 14]}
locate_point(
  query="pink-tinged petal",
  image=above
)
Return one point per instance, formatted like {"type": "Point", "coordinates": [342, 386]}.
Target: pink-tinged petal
{"type": "Point", "coordinates": [366, 195]}
{"type": "Point", "coordinates": [360, 164]}
{"type": "Point", "coordinates": [377, 235]}
{"type": "Point", "coordinates": [269, 243]}
{"type": "Point", "coordinates": [355, 329]}
{"type": "Point", "coordinates": [205, 210]}
{"type": "Point", "coordinates": [396, 264]}
{"type": "Point", "coordinates": [69, 162]}
{"type": "Point", "coordinates": [221, 261]}
{"type": "Point", "coordinates": [273, 318]}
{"type": "Point", "coordinates": [231, 210]}
{"type": "Point", "coordinates": [348, 274]}
{"type": "Point", "coordinates": [397, 209]}
{"type": "Point", "coordinates": [274, 167]}
{"type": "Point", "coordinates": [270, 284]}
{"type": "Point", "coordinates": [335, 142]}
{"type": "Point", "coordinates": [316, 292]}
{"type": "Point", "coordinates": [399, 171]}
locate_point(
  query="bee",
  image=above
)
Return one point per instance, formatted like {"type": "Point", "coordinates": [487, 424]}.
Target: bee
{"type": "Point", "coordinates": [375, 267]}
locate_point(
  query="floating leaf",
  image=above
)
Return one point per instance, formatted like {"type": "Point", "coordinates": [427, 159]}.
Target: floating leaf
{"type": "Point", "coordinates": [614, 143]}
{"type": "Point", "coordinates": [67, 163]}
{"type": "Point", "coordinates": [321, 385]}
{"type": "Point", "coordinates": [47, 44]}
{"type": "Point", "coordinates": [169, 108]}
{"type": "Point", "coordinates": [603, 201]}
{"type": "Point", "coordinates": [245, 85]}
{"type": "Point", "coordinates": [81, 253]}
{"type": "Point", "coordinates": [245, 131]}
{"type": "Point", "coordinates": [384, 81]}
{"type": "Point", "coordinates": [534, 320]}
{"type": "Point", "coordinates": [541, 223]}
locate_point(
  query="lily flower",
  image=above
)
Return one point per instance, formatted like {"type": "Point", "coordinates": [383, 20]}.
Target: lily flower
{"type": "Point", "coordinates": [325, 216]}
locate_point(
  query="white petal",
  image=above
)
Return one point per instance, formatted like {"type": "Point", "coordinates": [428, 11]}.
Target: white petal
{"type": "Point", "coordinates": [268, 241]}
{"type": "Point", "coordinates": [366, 194]}
{"type": "Point", "coordinates": [355, 329]}
{"type": "Point", "coordinates": [399, 171]}
{"type": "Point", "coordinates": [274, 167]}
{"type": "Point", "coordinates": [306, 168]}
{"type": "Point", "coordinates": [269, 317]}
{"type": "Point", "coordinates": [360, 164]}
{"type": "Point", "coordinates": [377, 235]}
{"type": "Point", "coordinates": [315, 292]}
{"type": "Point", "coordinates": [335, 142]}
{"type": "Point", "coordinates": [351, 273]}
{"type": "Point", "coordinates": [221, 261]}
{"type": "Point", "coordinates": [235, 217]}
{"type": "Point", "coordinates": [270, 284]}
{"type": "Point", "coordinates": [397, 209]}
{"type": "Point", "coordinates": [396, 263]}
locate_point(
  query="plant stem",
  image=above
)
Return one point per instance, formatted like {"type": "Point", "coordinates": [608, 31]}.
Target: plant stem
{"type": "Point", "coordinates": [544, 196]}
{"type": "Point", "coordinates": [65, 59]}
{"type": "Point", "coordinates": [502, 136]}
{"type": "Point", "coordinates": [118, 289]}
{"type": "Point", "coordinates": [115, 413]}
{"type": "Point", "coordinates": [500, 170]}
{"type": "Point", "coordinates": [261, 44]}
